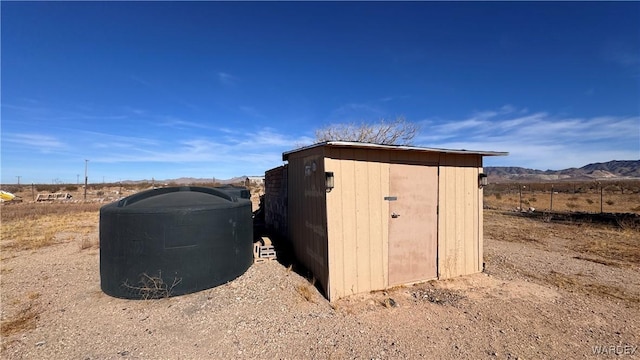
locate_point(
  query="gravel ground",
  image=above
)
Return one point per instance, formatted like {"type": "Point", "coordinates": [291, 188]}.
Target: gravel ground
{"type": "Point", "coordinates": [535, 300]}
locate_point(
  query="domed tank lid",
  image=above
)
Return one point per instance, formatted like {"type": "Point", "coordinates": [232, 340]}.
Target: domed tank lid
{"type": "Point", "coordinates": [177, 197]}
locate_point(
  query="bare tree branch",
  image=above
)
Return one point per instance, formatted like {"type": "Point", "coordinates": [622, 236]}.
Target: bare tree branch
{"type": "Point", "coordinates": [396, 132]}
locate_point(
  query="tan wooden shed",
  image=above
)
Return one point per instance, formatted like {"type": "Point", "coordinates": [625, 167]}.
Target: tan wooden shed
{"type": "Point", "coordinates": [366, 217]}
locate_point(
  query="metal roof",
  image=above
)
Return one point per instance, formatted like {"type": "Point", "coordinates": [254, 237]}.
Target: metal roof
{"type": "Point", "coordinates": [359, 145]}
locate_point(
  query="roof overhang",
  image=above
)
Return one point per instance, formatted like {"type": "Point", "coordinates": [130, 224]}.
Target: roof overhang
{"type": "Point", "coordinates": [359, 145]}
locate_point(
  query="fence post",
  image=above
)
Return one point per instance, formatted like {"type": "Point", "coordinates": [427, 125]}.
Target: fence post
{"type": "Point", "coordinates": [551, 204]}
{"type": "Point", "coordinates": [520, 192]}
{"type": "Point", "coordinates": [601, 190]}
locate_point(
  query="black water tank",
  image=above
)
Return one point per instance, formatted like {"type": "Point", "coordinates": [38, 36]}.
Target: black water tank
{"type": "Point", "coordinates": [173, 241]}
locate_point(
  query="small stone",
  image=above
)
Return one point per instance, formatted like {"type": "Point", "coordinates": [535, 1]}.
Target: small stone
{"type": "Point", "coordinates": [40, 343]}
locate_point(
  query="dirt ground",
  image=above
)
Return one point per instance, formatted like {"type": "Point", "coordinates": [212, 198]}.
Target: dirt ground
{"type": "Point", "coordinates": [549, 291]}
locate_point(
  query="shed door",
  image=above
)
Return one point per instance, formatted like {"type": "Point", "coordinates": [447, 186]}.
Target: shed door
{"type": "Point", "coordinates": [413, 221]}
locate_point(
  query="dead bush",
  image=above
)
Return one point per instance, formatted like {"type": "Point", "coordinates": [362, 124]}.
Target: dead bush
{"type": "Point", "coordinates": [307, 290]}
{"type": "Point", "coordinates": [153, 287]}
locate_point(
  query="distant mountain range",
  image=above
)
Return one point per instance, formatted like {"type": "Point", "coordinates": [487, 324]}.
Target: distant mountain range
{"type": "Point", "coordinates": [189, 180]}
{"type": "Point", "coordinates": [612, 170]}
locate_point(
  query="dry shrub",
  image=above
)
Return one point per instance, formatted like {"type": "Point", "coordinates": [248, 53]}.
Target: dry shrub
{"type": "Point", "coordinates": [37, 231]}
{"type": "Point", "coordinates": [35, 211]}
{"type": "Point", "coordinates": [306, 290]}
{"type": "Point", "coordinates": [598, 261]}
{"type": "Point", "coordinates": [593, 241]}
{"type": "Point", "coordinates": [388, 303]}
{"type": "Point", "coordinates": [617, 248]}
{"type": "Point", "coordinates": [628, 223]}
{"type": "Point", "coordinates": [25, 319]}
{"type": "Point", "coordinates": [153, 287]}
{"type": "Point", "coordinates": [33, 295]}
{"type": "Point", "coordinates": [575, 283]}
{"type": "Point", "coordinates": [89, 243]}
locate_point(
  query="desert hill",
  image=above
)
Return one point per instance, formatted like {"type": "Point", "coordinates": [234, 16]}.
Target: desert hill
{"type": "Point", "coordinates": [611, 170]}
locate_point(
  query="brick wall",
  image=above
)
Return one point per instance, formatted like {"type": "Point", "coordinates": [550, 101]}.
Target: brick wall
{"type": "Point", "coordinates": [275, 200]}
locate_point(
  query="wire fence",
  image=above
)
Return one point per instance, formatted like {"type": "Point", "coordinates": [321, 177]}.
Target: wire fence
{"type": "Point", "coordinates": [602, 197]}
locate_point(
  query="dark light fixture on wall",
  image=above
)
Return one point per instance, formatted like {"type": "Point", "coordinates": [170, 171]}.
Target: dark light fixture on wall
{"type": "Point", "coordinates": [483, 180]}
{"type": "Point", "coordinates": [328, 181]}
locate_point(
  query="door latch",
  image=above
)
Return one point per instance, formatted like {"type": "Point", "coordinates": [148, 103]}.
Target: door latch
{"type": "Point", "coordinates": [395, 215]}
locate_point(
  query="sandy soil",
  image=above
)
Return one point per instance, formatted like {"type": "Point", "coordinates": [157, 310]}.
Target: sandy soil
{"type": "Point", "coordinates": [541, 297]}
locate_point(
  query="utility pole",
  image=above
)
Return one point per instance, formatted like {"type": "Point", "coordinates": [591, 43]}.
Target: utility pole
{"type": "Point", "coordinates": [86, 178]}
{"type": "Point", "coordinates": [18, 179]}
{"type": "Point", "coordinates": [77, 179]}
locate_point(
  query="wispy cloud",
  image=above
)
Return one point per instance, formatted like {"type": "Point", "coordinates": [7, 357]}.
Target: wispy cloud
{"type": "Point", "coordinates": [106, 141]}
{"type": "Point", "coordinates": [539, 140]}
{"type": "Point", "coordinates": [182, 124]}
{"type": "Point", "coordinates": [356, 112]}
{"type": "Point", "coordinates": [393, 98]}
{"type": "Point", "coordinates": [39, 142]}
{"type": "Point", "coordinates": [141, 81]}
{"type": "Point", "coordinates": [51, 116]}
{"type": "Point", "coordinates": [260, 149]}
{"type": "Point", "coordinates": [251, 111]}
{"type": "Point", "coordinates": [625, 55]}
{"type": "Point", "coordinates": [227, 79]}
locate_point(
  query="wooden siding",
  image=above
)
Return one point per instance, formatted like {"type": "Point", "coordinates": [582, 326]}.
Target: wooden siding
{"type": "Point", "coordinates": [460, 216]}
{"type": "Point", "coordinates": [480, 216]}
{"type": "Point", "coordinates": [357, 218]}
{"type": "Point", "coordinates": [343, 236]}
{"type": "Point", "coordinates": [307, 212]}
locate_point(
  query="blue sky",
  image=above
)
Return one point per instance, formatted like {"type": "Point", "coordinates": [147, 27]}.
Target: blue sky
{"type": "Point", "coordinates": [205, 89]}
